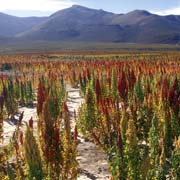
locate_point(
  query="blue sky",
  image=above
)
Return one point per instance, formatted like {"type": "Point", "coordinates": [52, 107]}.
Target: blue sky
{"type": "Point", "coordinates": [47, 7]}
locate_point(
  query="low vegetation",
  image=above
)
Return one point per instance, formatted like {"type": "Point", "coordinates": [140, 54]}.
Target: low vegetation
{"type": "Point", "coordinates": [131, 110]}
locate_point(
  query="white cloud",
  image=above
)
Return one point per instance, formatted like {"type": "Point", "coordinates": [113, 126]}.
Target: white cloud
{"type": "Point", "coordinates": [175, 11]}
{"type": "Point", "coordinates": [35, 5]}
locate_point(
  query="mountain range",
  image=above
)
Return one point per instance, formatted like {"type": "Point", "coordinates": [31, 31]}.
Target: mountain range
{"type": "Point", "coordinates": [83, 24]}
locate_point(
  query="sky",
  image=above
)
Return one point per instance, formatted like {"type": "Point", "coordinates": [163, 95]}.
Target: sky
{"type": "Point", "coordinates": [25, 8]}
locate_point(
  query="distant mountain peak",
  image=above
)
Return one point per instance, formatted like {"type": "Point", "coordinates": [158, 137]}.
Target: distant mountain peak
{"type": "Point", "coordinates": [86, 8]}
{"type": "Point", "coordinates": [140, 12]}
{"type": "Point", "coordinates": [79, 7]}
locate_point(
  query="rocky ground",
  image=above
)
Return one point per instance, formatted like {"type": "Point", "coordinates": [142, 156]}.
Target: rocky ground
{"type": "Point", "coordinates": [92, 161]}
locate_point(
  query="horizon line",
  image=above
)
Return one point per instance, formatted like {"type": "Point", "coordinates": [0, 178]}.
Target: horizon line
{"type": "Point", "coordinates": [49, 13]}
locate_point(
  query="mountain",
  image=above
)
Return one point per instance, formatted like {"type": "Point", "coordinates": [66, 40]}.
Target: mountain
{"type": "Point", "coordinates": [79, 23]}
{"type": "Point", "coordinates": [144, 27]}
{"type": "Point", "coordinates": [12, 25]}
{"type": "Point", "coordinates": [76, 24]}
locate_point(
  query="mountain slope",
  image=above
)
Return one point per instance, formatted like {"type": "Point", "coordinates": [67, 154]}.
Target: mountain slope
{"type": "Point", "coordinates": [76, 23]}
{"type": "Point", "coordinates": [12, 25]}
{"type": "Point", "coordinates": [144, 27]}
{"type": "Point", "coordinates": [79, 23]}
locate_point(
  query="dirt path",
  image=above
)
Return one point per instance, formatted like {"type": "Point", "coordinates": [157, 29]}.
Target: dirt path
{"type": "Point", "coordinates": [92, 161]}
{"type": "Point", "coordinates": [9, 126]}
